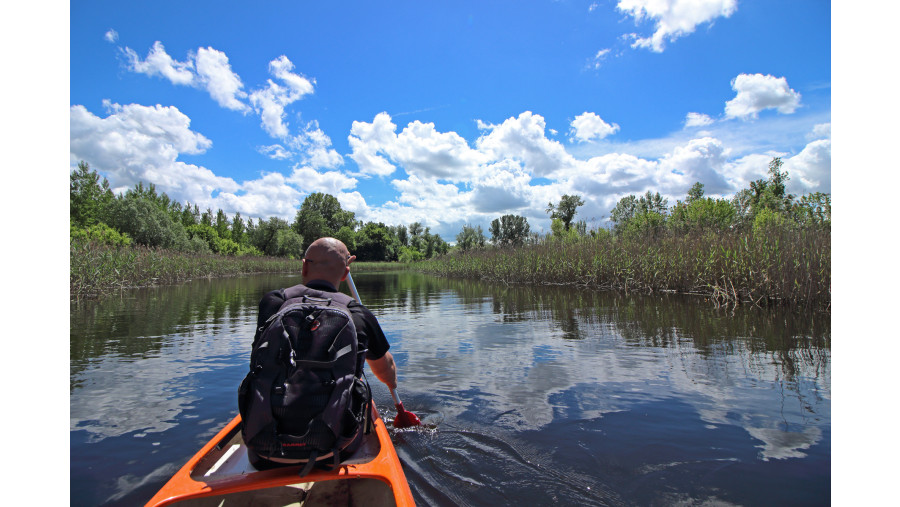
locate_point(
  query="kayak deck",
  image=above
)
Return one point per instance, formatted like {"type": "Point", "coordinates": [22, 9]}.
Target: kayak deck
{"type": "Point", "coordinates": [220, 475]}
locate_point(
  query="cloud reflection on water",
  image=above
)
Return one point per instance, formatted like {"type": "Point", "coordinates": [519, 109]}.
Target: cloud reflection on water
{"type": "Point", "coordinates": [516, 363]}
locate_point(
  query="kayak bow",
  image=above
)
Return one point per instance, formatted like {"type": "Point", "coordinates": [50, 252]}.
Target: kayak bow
{"type": "Point", "coordinates": [220, 474]}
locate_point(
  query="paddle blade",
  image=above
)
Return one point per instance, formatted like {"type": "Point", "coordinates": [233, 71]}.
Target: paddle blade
{"type": "Point", "coordinates": [405, 418]}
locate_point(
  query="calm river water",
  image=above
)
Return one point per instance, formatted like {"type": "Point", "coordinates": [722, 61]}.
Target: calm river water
{"type": "Point", "coordinates": [533, 396]}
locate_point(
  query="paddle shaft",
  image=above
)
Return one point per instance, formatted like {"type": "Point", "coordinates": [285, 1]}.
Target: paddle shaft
{"type": "Point", "coordinates": [355, 294]}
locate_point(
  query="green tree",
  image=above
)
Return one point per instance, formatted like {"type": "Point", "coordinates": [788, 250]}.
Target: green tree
{"type": "Point", "coordinates": [696, 192]}
{"type": "Point", "coordinates": [162, 201]}
{"type": "Point", "coordinates": [403, 235]}
{"type": "Point", "coordinates": [470, 238]}
{"type": "Point", "coordinates": [428, 243]}
{"type": "Point", "coordinates": [89, 199]}
{"type": "Point", "coordinates": [509, 230]}
{"type": "Point", "coordinates": [631, 208]}
{"type": "Point", "coordinates": [207, 217]}
{"type": "Point", "coordinates": [249, 231]}
{"type": "Point", "coordinates": [813, 209]}
{"type": "Point", "coordinates": [190, 215]}
{"type": "Point", "coordinates": [646, 223]}
{"type": "Point", "coordinates": [374, 242]}
{"type": "Point", "coordinates": [415, 237]}
{"type": "Point", "coordinates": [222, 225]}
{"type": "Point", "coordinates": [653, 203]}
{"type": "Point", "coordinates": [288, 244]}
{"type": "Point", "coordinates": [771, 193]}
{"type": "Point", "coordinates": [146, 223]}
{"type": "Point", "coordinates": [321, 215]}
{"type": "Point", "coordinates": [702, 213]}
{"type": "Point", "coordinates": [265, 237]}
{"type": "Point", "coordinates": [624, 211]}
{"type": "Point", "coordinates": [347, 235]}
{"type": "Point", "coordinates": [434, 244]}
{"type": "Point", "coordinates": [741, 202]}
{"type": "Point", "coordinates": [566, 209]}
{"type": "Point", "coordinates": [237, 228]}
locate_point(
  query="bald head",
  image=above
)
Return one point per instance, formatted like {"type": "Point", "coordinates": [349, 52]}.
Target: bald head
{"type": "Point", "coordinates": [327, 259]}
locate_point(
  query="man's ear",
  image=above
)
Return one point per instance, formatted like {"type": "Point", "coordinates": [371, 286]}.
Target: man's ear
{"type": "Point", "coordinates": [303, 268]}
{"type": "Point", "coordinates": [346, 272]}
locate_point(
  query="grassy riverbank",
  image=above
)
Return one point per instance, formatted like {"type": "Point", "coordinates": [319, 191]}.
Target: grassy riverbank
{"type": "Point", "coordinates": [96, 269]}
{"type": "Point", "coordinates": [789, 266]}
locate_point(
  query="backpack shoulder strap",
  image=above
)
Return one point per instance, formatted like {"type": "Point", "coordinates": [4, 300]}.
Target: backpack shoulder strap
{"type": "Point", "coordinates": [294, 292]}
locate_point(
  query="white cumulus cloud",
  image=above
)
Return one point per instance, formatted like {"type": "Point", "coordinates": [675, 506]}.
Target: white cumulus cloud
{"type": "Point", "coordinates": [597, 60]}
{"type": "Point", "coordinates": [523, 139]}
{"type": "Point", "coordinates": [275, 152]}
{"type": "Point", "coordinates": [427, 201]}
{"type": "Point", "coordinates": [756, 92]}
{"type": "Point", "coordinates": [424, 151]}
{"type": "Point", "coordinates": [502, 187]}
{"type": "Point", "coordinates": [367, 140]}
{"type": "Point", "coordinates": [700, 160]}
{"type": "Point", "coordinates": [309, 180]}
{"type": "Point", "coordinates": [207, 69]}
{"type": "Point", "coordinates": [315, 147]}
{"type": "Point", "coordinates": [588, 126]}
{"type": "Point", "coordinates": [141, 144]}
{"type": "Point", "coordinates": [111, 36]}
{"type": "Point", "coordinates": [673, 18]}
{"type": "Point", "coordinates": [159, 63]}
{"type": "Point", "coordinates": [614, 173]}
{"type": "Point", "coordinates": [420, 149]}
{"type": "Point", "coordinates": [269, 102]}
{"type": "Point", "coordinates": [215, 75]}
{"type": "Point", "coordinates": [821, 131]}
{"type": "Point", "coordinates": [697, 120]}
{"type": "Point", "coordinates": [810, 170]}
{"type": "Point", "coordinates": [262, 198]}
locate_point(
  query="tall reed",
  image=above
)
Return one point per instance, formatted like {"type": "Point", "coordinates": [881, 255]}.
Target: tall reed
{"type": "Point", "coordinates": [774, 266]}
{"type": "Point", "coordinates": [96, 269]}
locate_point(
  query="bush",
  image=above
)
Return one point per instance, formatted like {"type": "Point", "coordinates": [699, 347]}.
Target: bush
{"type": "Point", "coordinates": [408, 255]}
{"type": "Point", "coordinates": [99, 233]}
{"type": "Point", "coordinates": [209, 237]}
{"type": "Point", "coordinates": [767, 219]}
{"type": "Point", "coordinates": [646, 223]}
{"type": "Point", "coordinates": [560, 233]}
{"type": "Point", "coordinates": [716, 214]}
{"type": "Point", "coordinates": [197, 245]}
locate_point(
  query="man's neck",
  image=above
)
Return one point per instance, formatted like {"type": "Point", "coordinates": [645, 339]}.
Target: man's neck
{"type": "Point", "coordinates": [324, 284]}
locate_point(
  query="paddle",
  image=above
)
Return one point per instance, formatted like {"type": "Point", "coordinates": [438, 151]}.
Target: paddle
{"type": "Point", "coordinates": [405, 418]}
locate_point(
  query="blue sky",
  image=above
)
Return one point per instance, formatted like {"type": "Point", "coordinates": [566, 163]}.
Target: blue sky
{"type": "Point", "coordinates": [449, 114]}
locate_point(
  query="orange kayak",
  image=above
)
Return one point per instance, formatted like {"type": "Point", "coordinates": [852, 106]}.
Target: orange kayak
{"type": "Point", "coordinates": [221, 475]}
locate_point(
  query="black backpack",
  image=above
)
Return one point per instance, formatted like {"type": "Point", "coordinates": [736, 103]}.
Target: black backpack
{"type": "Point", "coordinates": [305, 398]}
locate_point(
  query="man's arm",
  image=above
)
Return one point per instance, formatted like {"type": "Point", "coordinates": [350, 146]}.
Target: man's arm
{"type": "Point", "coordinates": [385, 369]}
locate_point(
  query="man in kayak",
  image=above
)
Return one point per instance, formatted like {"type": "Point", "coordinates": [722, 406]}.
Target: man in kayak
{"type": "Point", "coordinates": [326, 264]}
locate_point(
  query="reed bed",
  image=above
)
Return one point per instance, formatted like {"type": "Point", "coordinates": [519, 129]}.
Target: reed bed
{"type": "Point", "coordinates": [777, 266]}
{"type": "Point", "coordinates": [372, 266]}
{"type": "Point", "coordinates": [95, 269]}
